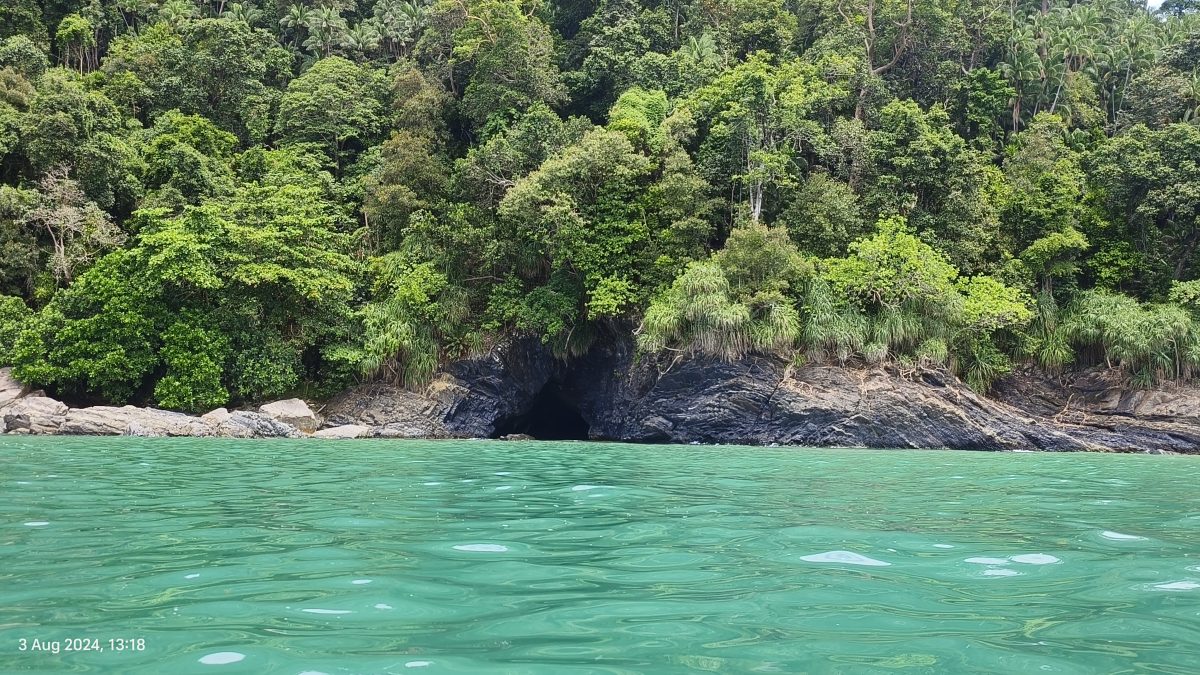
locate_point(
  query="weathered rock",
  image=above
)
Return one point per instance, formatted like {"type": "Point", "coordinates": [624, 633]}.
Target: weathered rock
{"type": "Point", "coordinates": [392, 412]}
{"type": "Point", "coordinates": [215, 417]}
{"type": "Point", "coordinates": [761, 401]}
{"type": "Point", "coordinates": [294, 412]}
{"type": "Point", "coordinates": [131, 421]}
{"type": "Point", "coordinates": [136, 429]}
{"type": "Point", "coordinates": [34, 414]}
{"type": "Point", "coordinates": [471, 399]}
{"type": "Point", "coordinates": [247, 424]}
{"type": "Point", "coordinates": [343, 431]}
{"type": "Point", "coordinates": [10, 389]}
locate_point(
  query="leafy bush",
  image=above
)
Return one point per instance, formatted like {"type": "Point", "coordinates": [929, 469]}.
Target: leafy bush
{"type": "Point", "coordinates": [13, 316]}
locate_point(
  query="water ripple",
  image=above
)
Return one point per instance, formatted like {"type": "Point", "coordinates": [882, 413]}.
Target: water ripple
{"type": "Point", "coordinates": [688, 559]}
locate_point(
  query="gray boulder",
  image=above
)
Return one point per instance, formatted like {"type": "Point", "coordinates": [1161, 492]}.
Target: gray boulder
{"type": "Point", "coordinates": [35, 415]}
{"type": "Point", "coordinates": [247, 424]}
{"type": "Point", "coordinates": [294, 412]}
{"type": "Point", "coordinates": [10, 389]}
{"type": "Point", "coordinates": [343, 431]}
{"type": "Point", "coordinates": [131, 421]}
{"type": "Point", "coordinates": [215, 417]}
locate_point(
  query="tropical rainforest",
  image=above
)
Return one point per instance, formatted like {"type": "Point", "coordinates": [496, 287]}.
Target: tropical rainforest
{"type": "Point", "coordinates": [205, 202]}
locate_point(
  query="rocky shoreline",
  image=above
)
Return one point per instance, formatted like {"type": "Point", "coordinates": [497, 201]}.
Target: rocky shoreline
{"type": "Point", "coordinates": [521, 390]}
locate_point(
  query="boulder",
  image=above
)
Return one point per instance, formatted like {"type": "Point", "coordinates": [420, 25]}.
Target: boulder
{"type": "Point", "coordinates": [215, 417]}
{"type": "Point", "coordinates": [131, 421]}
{"type": "Point", "coordinates": [35, 415]}
{"type": "Point", "coordinates": [343, 431]}
{"type": "Point", "coordinates": [247, 424]}
{"type": "Point", "coordinates": [294, 412]}
{"type": "Point", "coordinates": [10, 389]}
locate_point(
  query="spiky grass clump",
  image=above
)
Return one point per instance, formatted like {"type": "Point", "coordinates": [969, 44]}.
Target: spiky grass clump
{"type": "Point", "coordinates": [699, 315]}
{"type": "Point", "coordinates": [1148, 342]}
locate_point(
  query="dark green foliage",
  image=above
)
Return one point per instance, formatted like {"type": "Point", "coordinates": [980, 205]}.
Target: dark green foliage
{"type": "Point", "coordinates": [213, 202]}
{"type": "Point", "coordinates": [13, 316]}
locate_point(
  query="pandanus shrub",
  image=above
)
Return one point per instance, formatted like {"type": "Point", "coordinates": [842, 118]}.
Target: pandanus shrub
{"type": "Point", "coordinates": [1148, 342]}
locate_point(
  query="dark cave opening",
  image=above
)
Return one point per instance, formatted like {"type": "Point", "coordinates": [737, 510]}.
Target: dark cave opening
{"type": "Point", "coordinates": [550, 417]}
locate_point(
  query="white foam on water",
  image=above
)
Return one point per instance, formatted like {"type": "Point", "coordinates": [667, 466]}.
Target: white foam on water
{"type": "Point", "coordinates": [314, 672]}
{"type": "Point", "coordinates": [327, 611]}
{"type": "Point", "coordinates": [221, 658]}
{"type": "Point", "coordinates": [37, 523]}
{"type": "Point", "coordinates": [22, 482]}
{"type": "Point", "coordinates": [942, 546]}
{"type": "Point", "coordinates": [585, 488]}
{"type": "Point", "coordinates": [1117, 536]}
{"type": "Point", "coordinates": [1178, 586]}
{"type": "Point", "coordinates": [418, 664]}
{"type": "Point", "coordinates": [482, 548]}
{"type": "Point", "coordinates": [360, 582]}
{"type": "Point", "coordinates": [1000, 572]}
{"type": "Point", "coordinates": [847, 557]}
{"type": "Point", "coordinates": [190, 576]}
{"type": "Point", "coordinates": [1034, 559]}
{"type": "Point", "coordinates": [502, 473]}
{"type": "Point", "coordinates": [987, 561]}
{"type": "Point", "coordinates": [502, 488]}
{"type": "Point", "coordinates": [433, 482]}
{"type": "Point", "coordinates": [382, 606]}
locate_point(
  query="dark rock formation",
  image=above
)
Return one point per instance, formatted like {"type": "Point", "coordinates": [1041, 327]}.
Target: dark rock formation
{"type": "Point", "coordinates": [761, 401]}
{"type": "Point", "coordinates": [521, 390]}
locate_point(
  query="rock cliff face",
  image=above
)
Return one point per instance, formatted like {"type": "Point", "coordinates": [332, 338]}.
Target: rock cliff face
{"type": "Point", "coordinates": [760, 401]}
{"type": "Point", "coordinates": [612, 394]}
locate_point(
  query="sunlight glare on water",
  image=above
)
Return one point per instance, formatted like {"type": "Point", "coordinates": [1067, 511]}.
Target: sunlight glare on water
{"type": "Point", "coordinates": [231, 556]}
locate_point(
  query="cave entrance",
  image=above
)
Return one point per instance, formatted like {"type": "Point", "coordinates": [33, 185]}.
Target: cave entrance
{"type": "Point", "coordinates": [550, 417]}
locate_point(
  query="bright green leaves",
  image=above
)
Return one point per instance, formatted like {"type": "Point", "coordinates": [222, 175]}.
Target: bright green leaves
{"type": "Point", "coordinates": [187, 159]}
{"type": "Point", "coordinates": [224, 300]}
{"type": "Point", "coordinates": [510, 55]}
{"type": "Point", "coordinates": [578, 211]}
{"type": "Point", "coordinates": [990, 305]}
{"type": "Point", "coordinates": [733, 304]}
{"type": "Point", "coordinates": [891, 268]}
{"type": "Point", "coordinates": [760, 121]}
{"type": "Point", "coordinates": [195, 359]}
{"type": "Point", "coordinates": [925, 172]}
{"type": "Point", "coordinates": [336, 105]}
{"type": "Point", "coordinates": [13, 316]}
{"type": "Point", "coordinates": [97, 337]}
{"type": "Point", "coordinates": [639, 114]}
{"type": "Point", "coordinates": [417, 312]}
{"type": "Point", "coordinates": [1150, 181]}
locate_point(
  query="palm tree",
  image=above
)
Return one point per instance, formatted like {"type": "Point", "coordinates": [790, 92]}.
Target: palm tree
{"type": "Point", "coordinates": [176, 12]}
{"type": "Point", "coordinates": [399, 23]}
{"type": "Point", "coordinates": [295, 20]}
{"type": "Point", "coordinates": [246, 13]}
{"type": "Point", "coordinates": [362, 39]}
{"type": "Point", "coordinates": [1022, 67]}
{"type": "Point", "coordinates": [326, 28]}
{"type": "Point", "coordinates": [702, 49]}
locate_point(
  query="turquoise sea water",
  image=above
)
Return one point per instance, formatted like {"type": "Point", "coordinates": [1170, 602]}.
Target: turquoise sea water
{"type": "Point", "coordinates": [489, 557]}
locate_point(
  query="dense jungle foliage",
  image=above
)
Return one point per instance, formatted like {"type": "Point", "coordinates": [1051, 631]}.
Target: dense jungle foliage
{"type": "Point", "coordinates": [205, 202]}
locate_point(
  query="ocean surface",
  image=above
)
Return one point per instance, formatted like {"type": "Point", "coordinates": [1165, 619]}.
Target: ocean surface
{"type": "Point", "coordinates": [181, 556]}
